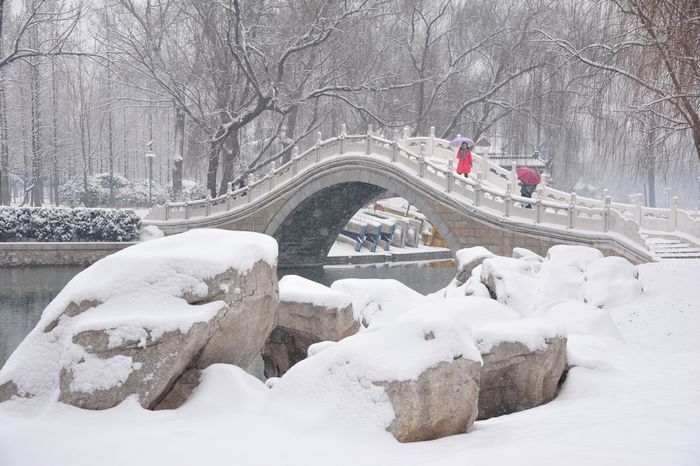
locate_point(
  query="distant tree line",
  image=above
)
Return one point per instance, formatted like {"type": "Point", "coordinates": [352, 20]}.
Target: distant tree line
{"type": "Point", "coordinates": [221, 89]}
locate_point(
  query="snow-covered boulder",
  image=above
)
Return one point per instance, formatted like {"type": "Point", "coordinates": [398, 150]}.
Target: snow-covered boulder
{"type": "Point", "coordinates": [528, 256]}
{"type": "Point", "coordinates": [523, 362]}
{"type": "Point", "coordinates": [511, 281]}
{"type": "Point", "coordinates": [134, 321]}
{"type": "Point", "coordinates": [591, 332]}
{"type": "Point", "coordinates": [417, 378]}
{"type": "Point", "coordinates": [308, 313]}
{"type": "Point", "coordinates": [611, 281]}
{"type": "Point", "coordinates": [575, 256]}
{"type": "Point", "coordinates": [468, 259]}
{"type": "Point", "coordinates": [374, 300]}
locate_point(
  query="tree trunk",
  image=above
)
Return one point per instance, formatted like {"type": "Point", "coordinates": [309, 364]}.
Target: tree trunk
{"type": "Point", "coordinates": [230, 154]}
{"type": "Point", "coordinates": [37, 156]}
{"type": "Point", "coordinates": [213, 160]}
{"type": "Point", "coordinates": [55, 180]}
{"type": "Point", "coordinates": [4, 151]}
{"type": "Point", "coordinates": [179, 152]}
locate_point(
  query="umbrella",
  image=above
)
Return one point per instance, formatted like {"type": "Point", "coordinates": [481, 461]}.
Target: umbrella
{"type": "Point", "coordinates": [528, 176]}
{"type": "Point", "coordinates": [460, 139]}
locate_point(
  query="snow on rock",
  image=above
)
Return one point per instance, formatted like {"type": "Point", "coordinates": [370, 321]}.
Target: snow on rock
{"type": "Point", "coordinates": [417, 378]}
{"type": "Point", "coordinates": [511, 281]}
{"type": "Point", "coordinates": [611, 281]}
{"type": "Point", "coordinates": [308, 313]}
{"type": "Point", "coordinates": [377, 299]}
{"type": "Point", "coordinates": [296, 289]}
{"type": "Point", "coordinates": [591, 331]}
{"type": "Point", "coordinates": [468, 259]}
{"type": "Point", "coordinates": [574, 256]}
{"type": "Point", "coordinates": [135, 320]}
{"type": "Point", "coordinates": [557, 281]}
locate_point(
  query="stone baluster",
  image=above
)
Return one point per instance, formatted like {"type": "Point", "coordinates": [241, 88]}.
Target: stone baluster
{"type": "Point", "coordinates": [343, 136]}
{"type": "Point", "coordinates": [319, 138]}
{"type": "Point", "coordinates": [539, 208]}
{"type": "Point", "coordinates": [606, 212]}
{"type": "Point", "coordinates": [395, 146]}
{"type": "Point", "coordinates": [450, 175]}
{"type": "Point", "coordinates": [229, 197]}
{"type": "Point", "coordinates": [370, 134]}
{"type": "Point", "coordinates": [477, 190]}
{"type": "Point", "coordinates": [637, 201]}
{"type": "Point", "coordinates": [249, 192]}
{"type": "Point", "coordinates": [508, 199]}
{"type": "Point", "coordinates": [271, 177]}
{"type": "Point", "coordinates": [543, 182]}
{"type": "Point", "coordinates": [207, 205]}
{"type": "Point", "coordinates": [513, 174]}
{"type": "Point", "coordinates": [673, 214]}
{"type": "Point", "coordinates": [421, 162]}
{"type": "Point", "coordinates": [572, 210]}
{"type": "Point", "coordinates": [406, 134]}
{"type": "Point", "coordinates": [295, 160]}
{"type": "Point", "coordinates": [167, 210]}
{"type": "Point", "coordinates": [187, 210]}
{"type": "Point", "coordinates": [431, 147]}
{"type": "Point", "coordinates": [229, 186]}
{"type": "Point", "coordinates": [485, 168]}
{"type": "Point", "coordinates": [606, 193]}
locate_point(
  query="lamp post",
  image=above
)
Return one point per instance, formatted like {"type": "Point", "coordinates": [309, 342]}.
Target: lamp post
{"type": "Point", "coordinates": [150, 155]}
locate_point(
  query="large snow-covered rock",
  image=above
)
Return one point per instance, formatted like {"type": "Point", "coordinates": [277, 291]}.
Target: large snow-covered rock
{"type": "Point", "coordinates": [523, 362]}
{"type": "Point", "coordinates": [591, 332]}
{"type": "Point", "coordinates": [417, 377]}
{"type": "Point", "coordinates": [308, 313]}
{"type": "Point", "coordinates": [575, 256]}
{"type": "Point", "coordinates": [374, 300]}
{"type": "Point", "coordinates": [511, 281]}
{"type": "Point", "coordinates": [133, 322]}
{"type": "Point", "coordinates": [611, 281]}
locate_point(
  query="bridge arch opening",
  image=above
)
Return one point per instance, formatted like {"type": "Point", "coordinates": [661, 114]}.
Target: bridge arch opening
{"type": "Point", "coordinates": [309, 222]}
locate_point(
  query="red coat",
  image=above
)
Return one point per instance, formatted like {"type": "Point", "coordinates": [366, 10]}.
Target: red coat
{"type": "Point", "coordinates": [464, 164]}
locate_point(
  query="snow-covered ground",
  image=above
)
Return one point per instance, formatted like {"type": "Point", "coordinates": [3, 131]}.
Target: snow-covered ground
{"type": "Point", "coordinates": [641, 407]}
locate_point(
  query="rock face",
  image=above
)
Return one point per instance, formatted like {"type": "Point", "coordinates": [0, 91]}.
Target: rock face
{"type": "Point", "coordinates": [157, 311]}
{"type": "Point", "coordinates": [514, 377]}
{"type": "Point", "coordinates": [305, 318]}
{"type": "Point", "coordinates": [442, 401]}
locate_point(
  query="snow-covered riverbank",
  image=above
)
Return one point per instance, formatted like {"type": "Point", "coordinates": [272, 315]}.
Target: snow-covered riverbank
{"type": "Point", "coordinates": [641, 407]}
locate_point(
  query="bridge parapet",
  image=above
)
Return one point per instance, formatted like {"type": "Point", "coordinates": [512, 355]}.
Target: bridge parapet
{"type": "Point", "coordinates": [489, 189]}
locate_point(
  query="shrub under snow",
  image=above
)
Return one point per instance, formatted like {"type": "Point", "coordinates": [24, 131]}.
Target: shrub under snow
{"type": "Point", "coordinates": [65, 225]}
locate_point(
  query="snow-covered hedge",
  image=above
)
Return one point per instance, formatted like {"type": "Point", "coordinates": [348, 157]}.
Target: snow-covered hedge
{"type": "Point", "coordinates": [63, 224]}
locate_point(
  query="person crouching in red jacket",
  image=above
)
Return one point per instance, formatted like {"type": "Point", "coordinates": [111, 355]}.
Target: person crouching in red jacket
{"type": "Point", "coordinates": [464, 157]}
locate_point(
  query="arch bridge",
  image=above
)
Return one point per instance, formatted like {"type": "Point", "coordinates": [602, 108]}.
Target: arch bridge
{"type": "Point", "coordinates": [305, 203]}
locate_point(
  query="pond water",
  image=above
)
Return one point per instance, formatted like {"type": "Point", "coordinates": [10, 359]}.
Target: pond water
{"type": "Point", "coordinates": [25, 292]}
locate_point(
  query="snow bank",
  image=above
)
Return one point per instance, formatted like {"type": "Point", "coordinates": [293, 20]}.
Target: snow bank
{"type": "Point", "coordinates": [296, 289]}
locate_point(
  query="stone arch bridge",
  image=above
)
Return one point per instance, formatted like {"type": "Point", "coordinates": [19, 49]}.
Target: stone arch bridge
{"type": "Point", "coordinates": [305, 203]}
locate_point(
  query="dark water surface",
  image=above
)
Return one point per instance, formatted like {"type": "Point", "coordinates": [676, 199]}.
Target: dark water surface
{"type": "Point", "coordinates": [25, 292]}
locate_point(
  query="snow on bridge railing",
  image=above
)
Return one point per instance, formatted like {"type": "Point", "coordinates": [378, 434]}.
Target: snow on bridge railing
{"type": "Point", "coordinates": [489, 186]}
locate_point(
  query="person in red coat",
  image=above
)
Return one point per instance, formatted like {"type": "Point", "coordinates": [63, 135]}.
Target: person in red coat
{"type": "Point", "coordinates": [464, 158]}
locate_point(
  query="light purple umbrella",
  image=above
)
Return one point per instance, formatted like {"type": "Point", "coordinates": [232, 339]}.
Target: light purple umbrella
{"type": "Point", "coordinates": [460, 139]}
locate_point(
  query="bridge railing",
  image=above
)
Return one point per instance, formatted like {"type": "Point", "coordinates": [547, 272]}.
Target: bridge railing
{"type": "Point", "coordinates": [488, 186]}
{"type": "Point", "coordinates": [649, 218]}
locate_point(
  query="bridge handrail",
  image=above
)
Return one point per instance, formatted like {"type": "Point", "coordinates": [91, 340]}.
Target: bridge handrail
{"type": "Point", "coordinates": [488, 184]}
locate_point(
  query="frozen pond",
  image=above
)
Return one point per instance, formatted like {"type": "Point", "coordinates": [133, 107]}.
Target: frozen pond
{"type": "Point", "coordinates": [24, 292]}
